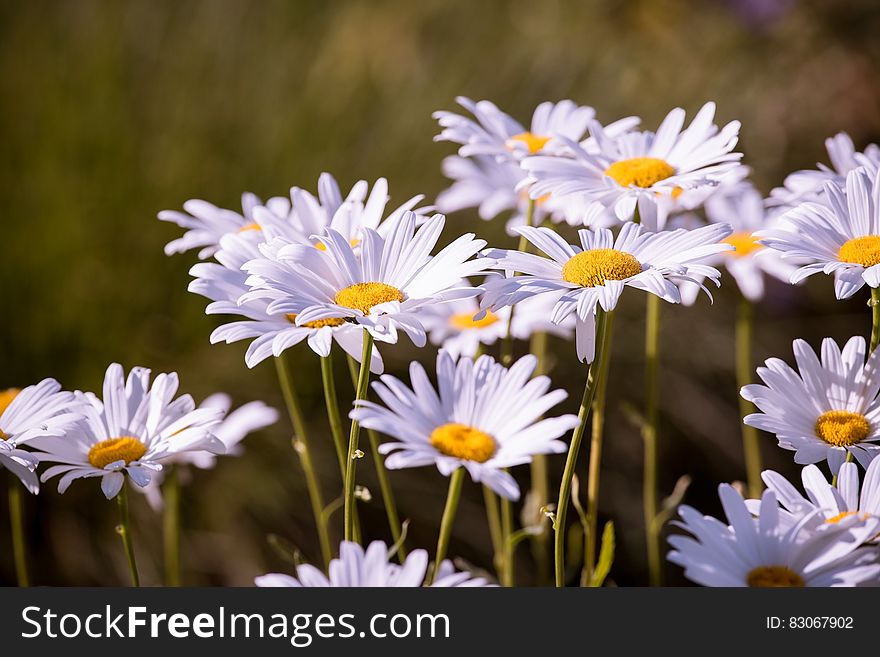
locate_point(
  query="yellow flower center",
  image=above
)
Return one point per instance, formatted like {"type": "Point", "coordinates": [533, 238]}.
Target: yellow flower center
{"type": "Point", "coordinates": [318, 323]}
{"type": "Point", "coordinates": [532, 141]}
{"type": "Point", "coordinates": [323, 247]}
{"type": "Point", "coordinates": [774, 577]}
{"type": "Point", "coordinates": [251, 226]}
{"type": "Point", "coordinates": [462, 321]}
{"type": "Point", "coordinates": [842, 428]}
{"type": "Point", "coordinates": [6, 397]}
{"type": "Point", "coordinates": [864, 251]}
{"type": "Point", "coordinates": [744, 243]}
{"type": "Point", "coordinates": [640, 171]}
{"type": "Point", "coordinates": [846, 514]}
{"type": "Point", "coordinates": [463, 442]}
{"type": "Point", "coordinates": [363, 296]}
{"type": "Point", "coordinates": [592, 268]}
{"type": "Point", "coordinates": [124, 448]}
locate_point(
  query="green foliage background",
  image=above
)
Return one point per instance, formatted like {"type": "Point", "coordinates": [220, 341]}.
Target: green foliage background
{"type": "Point", "coordinates": [113, 111]}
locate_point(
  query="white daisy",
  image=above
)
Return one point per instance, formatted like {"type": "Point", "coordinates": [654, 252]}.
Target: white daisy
{"type": "Point", "coordinates": [38, 410]}
{"type": "Point", "coordinates": [383, 288]}
{"type": "Point", "coordinates": [494, 187]}
{"type": "Point", "coordinates": [302, 217]}
{"type": "Point", "coordinates": [131, 431]}
{"type": "Point", "coordinates": [483, 417]}
{"type": "Point", "coordinates": [829, 503]}
{"type": "Point", "coordinates": [742, 207]}
{"type": "Point", "coordinates": [765, 552]}
{"type": "Point", "coordinates": [234, 427]}
{"type": "Point", "coordinates": [825, 409]}
{"type": "Point", "coordinates": [372, 567]}
{"type": "Point", "coordinates": [840, 236]}
{"type": "Point", "coordinates": [225, 283]}
{"type": "Point", "coordinates": [498, 134]}
{"type": "Point", "coordinates": [807, 184]}
{"type": "Point", "coordinates": [453, 327]}
{"type": "Point", "coordinates": [206, 223]}
{"type": "Point", "coordinates": [640, 167]}
{"type": "Point", "coordinates": [599, 269]}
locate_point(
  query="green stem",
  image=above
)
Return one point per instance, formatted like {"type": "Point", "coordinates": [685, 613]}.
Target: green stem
{"type": "Point", "coordinates": [573, 450]}
{"type": "Point", "coordinates": [332, 403]}
{"type": "Point", "coordinates": [301, 447]}
{"type": "Point", "coordinates": [595, 466]}
{"type": "Point", "coordinates": [540, 475]}
{"type": "Point", "coordinates": [354, 435]}
{"type": "Point", "coordinates": [171, 526]}
{"type": "Point", "coordinates": [452, 497]}
{"type": "Point", "coordinates": [490, 499]}
{"type": "Point", "coordinates": [388, 500]}
{"type": "Point", "coordinates": [506, 532]}
{"type": "Point", "coordinates": [124, 531]}
{"type": "Point", "coordinates": [849, 459]}
{"type": "Point", "coordinates": [16, 520]}
{"type": "Point", "coordinates": [745, 324]}
{"type": "Point", "coordinates": [875, 318]}
{"type": "Point", "coordinates": [649, 436]}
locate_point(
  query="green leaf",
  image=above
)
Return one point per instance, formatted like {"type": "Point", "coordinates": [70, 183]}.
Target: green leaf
{"type": "Point", "coordinates": [606, 555]}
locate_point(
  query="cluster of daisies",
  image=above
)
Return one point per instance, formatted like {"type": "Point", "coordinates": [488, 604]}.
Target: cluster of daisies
{"type": "Point", "coordinates": [598, 209]}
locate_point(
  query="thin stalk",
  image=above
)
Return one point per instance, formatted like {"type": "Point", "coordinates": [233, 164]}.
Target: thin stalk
{"type": "Point", "coordinates": [171, 526]}
{"type": "Point", "coordinates": [354, 436]}
{"type": "Point", "coordinates": [573, 451]}
{"type": "Point", "coordinates": [452, 498]}
{"type": "Point", "coordinates": [301, 447]}
{"type": "Point", "coordinates": [124, 531]}
{"type": "Point", "coordinates": [523, 245]}
{"type": "Point", "coordinates": [745, 325]}
{"type": "Point", "coordinates": [596, 438]}
{"type": "Point", "coordinates": [539, 474]}
{"type": "Point", "coordinates": [16, 521]}
{"type": "Point", "coordinates": [874, 303]}
{"type": "Point", "coordinates": [649, 436]}
{"type": "Point", "coordinates": [388, 500]}
{"type": "Point", "coordinates": [875, 318]}
{"type": "Point", "coordinates": [506, 532]}
{"type": "Point", "coordinates": [332, 403]}
{"type": "Point", "coordinates": [493, 517]}
{"type": "Point", "coordinates": [849, 459]}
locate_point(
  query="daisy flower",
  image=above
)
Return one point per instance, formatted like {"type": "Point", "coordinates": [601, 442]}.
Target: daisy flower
{"type": "Point", "coordinates": [234, 427]}
{"type": "Point", "coordinates": [807, 184]}
{"type": "Point", "coordinates": [492, 132]}
{"type": "Point", "coordinates": [225, 283]}
{"type": "Point", "coordinates": [305, 215]}
{"type": "Point", "coordinates": [384, 288]}
{"type": "Point", "coordinates": [764, 552]}
{"type": "Point", "coordinates": [742, 207]}
{"type": "Point", "coordinates": [130, 432]}
{"type": "Point", "coordinates": [205, 223]}
{"type": "Point", "coordinates": [357, 567]}
{"type": "Point", "coordinates": [452, 325]}
{"type": "Point", "coordinates": [597, 271]}
{"type": "Point", "coordinates": [494, 187]}
{"type": "Point", "coordinates": [482, 417]}
{"type": "Point", "coordinates": [840, 237]}
{"type": "Point", "coordinates": [296, 218]}
{"type": "Point", "coordinates": [825, 409]}
{"type": "Point", "coordinates": [640, 167]}
{"type": "Point", "coordinates": [826, 501]}
{"type": "Point", "coordinates": [37, 410]}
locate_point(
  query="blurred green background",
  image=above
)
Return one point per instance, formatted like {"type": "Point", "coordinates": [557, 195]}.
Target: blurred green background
{"type": "Point", "coordinates": [113, 111]}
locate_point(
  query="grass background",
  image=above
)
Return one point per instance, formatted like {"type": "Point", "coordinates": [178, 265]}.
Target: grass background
{"type": "Point", "coordinates": [113, 111]}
